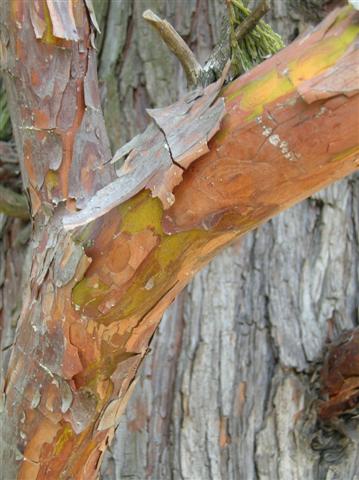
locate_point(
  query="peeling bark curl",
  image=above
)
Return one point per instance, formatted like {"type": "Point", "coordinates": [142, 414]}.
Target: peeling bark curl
{"type": "Point", "coordinates": [157, 158]}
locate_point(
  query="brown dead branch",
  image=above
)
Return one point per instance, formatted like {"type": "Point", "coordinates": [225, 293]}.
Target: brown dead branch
{"type": "Point", "coordinates": [251, 21]}
{"type": "Point", "coordinates": [177, 46]}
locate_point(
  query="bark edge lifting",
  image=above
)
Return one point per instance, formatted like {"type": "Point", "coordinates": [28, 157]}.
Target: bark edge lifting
{"type": "Point", "coordinates": [157, 158]}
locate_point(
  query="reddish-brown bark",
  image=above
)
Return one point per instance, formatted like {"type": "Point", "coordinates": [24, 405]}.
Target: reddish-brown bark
{"type": "Point", "coordinates": [98, 288]}
{"type": "Point", "coordinates": [340, 377]}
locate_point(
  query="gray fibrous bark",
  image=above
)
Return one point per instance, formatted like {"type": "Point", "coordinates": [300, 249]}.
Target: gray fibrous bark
{"type": "Point", "coordinates": [230, 388]}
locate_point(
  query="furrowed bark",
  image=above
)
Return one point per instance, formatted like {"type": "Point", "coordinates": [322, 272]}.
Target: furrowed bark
{"type": "Point", "coordinates": [101, 288]}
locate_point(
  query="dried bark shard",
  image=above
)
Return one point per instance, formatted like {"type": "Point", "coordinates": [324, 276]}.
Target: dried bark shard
{"type": "Point", "coordinates": [53, 19]}
{"type": "Point", "coordinates": [62, 19]}
{"type": "Point", "coordinates": [91, 11]}
{"type": "Point", "coordinates": [37, 16]}
{"type": "Point", "coordinates": [191, 122]}
{"type": "Point", "coordinates": [156, 158]}
{"type": "Point", "coordinates": [150, 156]}
{"type": "Point", "coordinates": [114, 410]}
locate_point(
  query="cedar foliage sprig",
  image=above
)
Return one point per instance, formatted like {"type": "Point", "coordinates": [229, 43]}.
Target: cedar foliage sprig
{"type": "Point", "coordinates": [258, 44]}
{"type": "Point", "coordinates": [5, 123]}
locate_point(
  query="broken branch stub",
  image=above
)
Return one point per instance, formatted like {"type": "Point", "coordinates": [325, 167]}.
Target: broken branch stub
{"type": "Point", "coordinates": [177, 46]}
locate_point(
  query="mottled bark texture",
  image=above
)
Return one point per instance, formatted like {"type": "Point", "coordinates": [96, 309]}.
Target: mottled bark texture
{"type": "Point", "coordinates": [96, 292]}
{"type": "Point", "coordinates": [228, 391]}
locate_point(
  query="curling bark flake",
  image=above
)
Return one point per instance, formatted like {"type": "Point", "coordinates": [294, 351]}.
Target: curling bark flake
{"type": "Point", "coordinates": [158, 156]}
{"type": "Point", "coordinates": [108, 255]}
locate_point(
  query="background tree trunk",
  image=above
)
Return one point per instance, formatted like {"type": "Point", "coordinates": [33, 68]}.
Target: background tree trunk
{"type": "Point", "coordinates": [229, 391]}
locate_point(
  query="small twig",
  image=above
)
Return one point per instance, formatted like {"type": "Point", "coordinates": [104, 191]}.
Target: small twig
{"type": "Point", "coordinates": [251, 21]}
{"type": "Point", "coordinates": [177, 46]}
{"type": "Point", "coordinates": [13, 204]}
{"type": "Point", "coordinates": [7, 347]}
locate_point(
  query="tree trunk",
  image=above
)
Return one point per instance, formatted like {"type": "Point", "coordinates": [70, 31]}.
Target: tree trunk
{"type": "Point", "coordinates": [227, 391]}
{"type": "Point", "coordinates": [197, 416]}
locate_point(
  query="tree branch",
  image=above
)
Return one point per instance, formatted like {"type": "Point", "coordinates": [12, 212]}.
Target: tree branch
{"type": "Point", "coordinates": [219, 57]}
{"type": "Point", "coordinates": [177, 46]}
{"type": "Point", "coordinates": [232, 34]}
{"type": "Point", "coordinates": [251, 21]}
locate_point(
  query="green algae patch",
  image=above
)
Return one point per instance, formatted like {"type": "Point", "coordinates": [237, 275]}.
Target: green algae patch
{"type": "Point", "coordinates": [155, 277]}
{"type": "Point", "coordinates": [140, 213]}
{"type": "Point", "coordinates": [349, 152]}
{"type": "Point", "coordinates": [88, 291]}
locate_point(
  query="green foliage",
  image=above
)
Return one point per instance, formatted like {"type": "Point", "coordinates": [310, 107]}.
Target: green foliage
{"type": "Point", "coordinates": [260, 43]}
{"type": "Point", "coordinates": [5, 123]}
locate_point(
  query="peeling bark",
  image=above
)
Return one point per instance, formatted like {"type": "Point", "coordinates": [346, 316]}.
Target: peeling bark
{"type": "Point", "coordinates": [74, 363]}
{"type": "Point", "coordinates": [157, 158]}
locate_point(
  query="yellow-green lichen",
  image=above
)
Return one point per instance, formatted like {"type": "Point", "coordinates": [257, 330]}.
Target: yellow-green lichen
{"type": "Point", "coordinates": [262, 91]}
{"type": "Point", "coordinates": [321, 56]}
{"type": "Point", "coordinates": [140, 213]}
{"type": "Point", "coordinates": [48, 36]}
{"type": "Point", "coordinates": [64, 437]}
{"type": "Point", "coordinates": [51, 180]}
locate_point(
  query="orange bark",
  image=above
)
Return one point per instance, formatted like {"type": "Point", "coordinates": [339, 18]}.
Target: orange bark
{"type": "Point", "coordinates": [97, 291]}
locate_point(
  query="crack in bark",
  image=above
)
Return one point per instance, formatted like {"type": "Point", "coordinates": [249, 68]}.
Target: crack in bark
{"type": "Point", "coordinates": [169, 149]}
{"type": "Point", "coordinates": [192, 121]}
